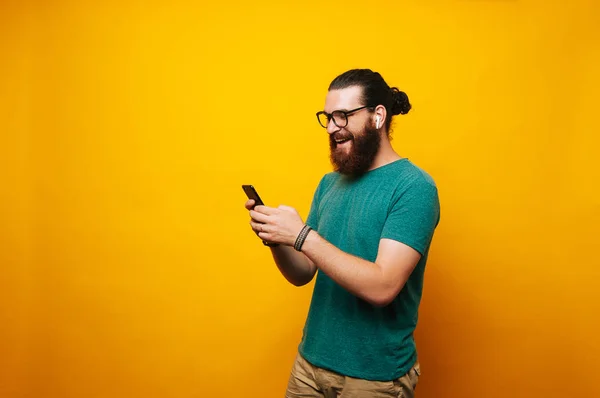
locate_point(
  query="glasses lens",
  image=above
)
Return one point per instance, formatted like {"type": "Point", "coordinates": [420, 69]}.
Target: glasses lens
{"type": "Point", "coordinates": [323, 119]}
{"type": "Point", "coordinates": [340, 119]}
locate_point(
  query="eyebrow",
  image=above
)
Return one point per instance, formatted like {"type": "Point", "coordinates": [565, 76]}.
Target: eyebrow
{"type": "Point", "coordinates": [341, 109]}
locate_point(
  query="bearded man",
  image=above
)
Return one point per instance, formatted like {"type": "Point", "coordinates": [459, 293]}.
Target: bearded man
{"type": "Point", "coordinates": [366, 238]}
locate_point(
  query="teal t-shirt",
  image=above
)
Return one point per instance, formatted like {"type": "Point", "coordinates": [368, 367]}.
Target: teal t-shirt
{"type": "Point", "coordinates": [344, 333]}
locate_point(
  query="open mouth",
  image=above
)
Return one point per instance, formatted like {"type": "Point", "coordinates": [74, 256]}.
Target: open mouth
{"type": "Point", "coordinates": [341, 141]}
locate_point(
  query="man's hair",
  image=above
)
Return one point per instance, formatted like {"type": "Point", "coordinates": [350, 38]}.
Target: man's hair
{"type": "Point", "coordinates": [375, 91]}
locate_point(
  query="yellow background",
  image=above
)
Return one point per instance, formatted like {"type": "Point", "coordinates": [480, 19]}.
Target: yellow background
{"type": "Point", "coordinates": [127, 265]}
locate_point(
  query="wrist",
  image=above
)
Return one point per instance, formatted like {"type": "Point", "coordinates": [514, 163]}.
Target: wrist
{"type": "Point", "coordinates": [312, 237]}
{"type": "Point", "coordinates": [301, 237]}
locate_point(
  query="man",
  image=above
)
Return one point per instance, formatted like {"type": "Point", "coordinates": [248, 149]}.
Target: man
{"type": "Point", "coordinates": [368, 235]}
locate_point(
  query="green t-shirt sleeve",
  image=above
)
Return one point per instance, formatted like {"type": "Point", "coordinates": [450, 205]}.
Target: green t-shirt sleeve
{"type": "Point", "coordinates": [414, 215]}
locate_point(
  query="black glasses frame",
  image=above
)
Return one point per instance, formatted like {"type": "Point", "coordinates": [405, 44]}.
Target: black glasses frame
{"type": "Point", "coordinates": [344, 113]}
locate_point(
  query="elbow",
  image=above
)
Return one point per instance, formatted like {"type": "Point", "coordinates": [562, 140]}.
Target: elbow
{"type": "Point", "coordinates": [380, 303]}
{"type": "Point", "coordinates": [300, 280]}
{"type": "Point", "coordinates": [381, 298]}
{"type": "Point", "coordinates": [384, 294]}
{"type": "Point", "coordinates": [298, 283]}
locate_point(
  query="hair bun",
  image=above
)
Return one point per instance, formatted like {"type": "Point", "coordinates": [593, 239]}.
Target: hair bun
{"type": "Point", "coordinates": [400, 103]}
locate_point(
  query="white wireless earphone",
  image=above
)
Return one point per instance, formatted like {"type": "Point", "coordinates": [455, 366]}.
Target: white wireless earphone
{"type": "Point", "coordinates": [378, 118]}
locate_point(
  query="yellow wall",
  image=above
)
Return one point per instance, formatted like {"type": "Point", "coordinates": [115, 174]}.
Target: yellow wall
{"type": "Point", "coordinates": [127, 266]}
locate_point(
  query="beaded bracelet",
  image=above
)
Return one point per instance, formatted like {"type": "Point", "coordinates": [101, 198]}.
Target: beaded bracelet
{"type": "Point", "coordinates": [302, 237]}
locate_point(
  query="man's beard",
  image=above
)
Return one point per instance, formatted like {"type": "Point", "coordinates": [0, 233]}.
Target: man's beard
{"type": "Point", "coordinates": [359, 158]}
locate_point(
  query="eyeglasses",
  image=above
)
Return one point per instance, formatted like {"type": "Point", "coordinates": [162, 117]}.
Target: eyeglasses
{"type": "Point", "coordinates": [340, 118]}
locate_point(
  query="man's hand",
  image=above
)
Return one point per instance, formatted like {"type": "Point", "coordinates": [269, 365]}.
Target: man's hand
{"type": "Point", "coordinates": [282, 226]}
{"type": "Point", "coordinates": [276, 225]}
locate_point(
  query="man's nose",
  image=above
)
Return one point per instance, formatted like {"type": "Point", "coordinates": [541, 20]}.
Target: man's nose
{"type": "Point", "coordinates": [331, 127]}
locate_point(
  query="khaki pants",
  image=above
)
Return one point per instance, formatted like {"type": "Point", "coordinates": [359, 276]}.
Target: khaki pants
{"type": "Point", "coordinates": [307, 380]}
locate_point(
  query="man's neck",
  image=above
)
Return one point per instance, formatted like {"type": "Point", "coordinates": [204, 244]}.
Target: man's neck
{"type": "Point", "coordinates": [385, 155]}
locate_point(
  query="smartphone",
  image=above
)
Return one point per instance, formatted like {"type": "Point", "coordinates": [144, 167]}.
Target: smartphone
{"type": "Point", "coordinates": [252, 194]}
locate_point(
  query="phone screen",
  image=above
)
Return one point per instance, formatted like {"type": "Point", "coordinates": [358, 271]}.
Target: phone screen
{"type": "Point", "coordinates": [252, 194]}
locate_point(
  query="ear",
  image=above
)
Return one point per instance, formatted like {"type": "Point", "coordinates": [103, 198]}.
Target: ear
{"type": "Point", "coordinates": [380, 112]}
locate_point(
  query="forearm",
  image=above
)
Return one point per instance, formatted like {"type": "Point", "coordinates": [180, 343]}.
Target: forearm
{"type": "Point", "coordinates": [362, 278]}
{"type": "Point", "coordinates": [293, 265]}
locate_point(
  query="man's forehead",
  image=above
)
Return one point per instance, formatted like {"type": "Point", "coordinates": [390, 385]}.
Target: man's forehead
{"type": "Point", "coordinates": [343, 99]}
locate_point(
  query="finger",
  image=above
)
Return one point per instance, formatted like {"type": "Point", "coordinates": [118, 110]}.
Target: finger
{"type": "Point", "coordinates": [260, 227]}
{"type": "Point", "coordinates": [265, 210]}
{"type": "Point", "coordinates": [256, 227]}
{"type": "Point", "coordinates": [260, 217]}
{"type": "Point", "coordinates": [287, 208]}
{"type": "Point", "coordinates": [265, 236]}
{"type": "Point", "coordinates": [249, 204]}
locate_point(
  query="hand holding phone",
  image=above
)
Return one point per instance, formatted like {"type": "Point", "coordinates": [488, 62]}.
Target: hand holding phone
{"type": "Point", "coordinates": [252, 194]}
